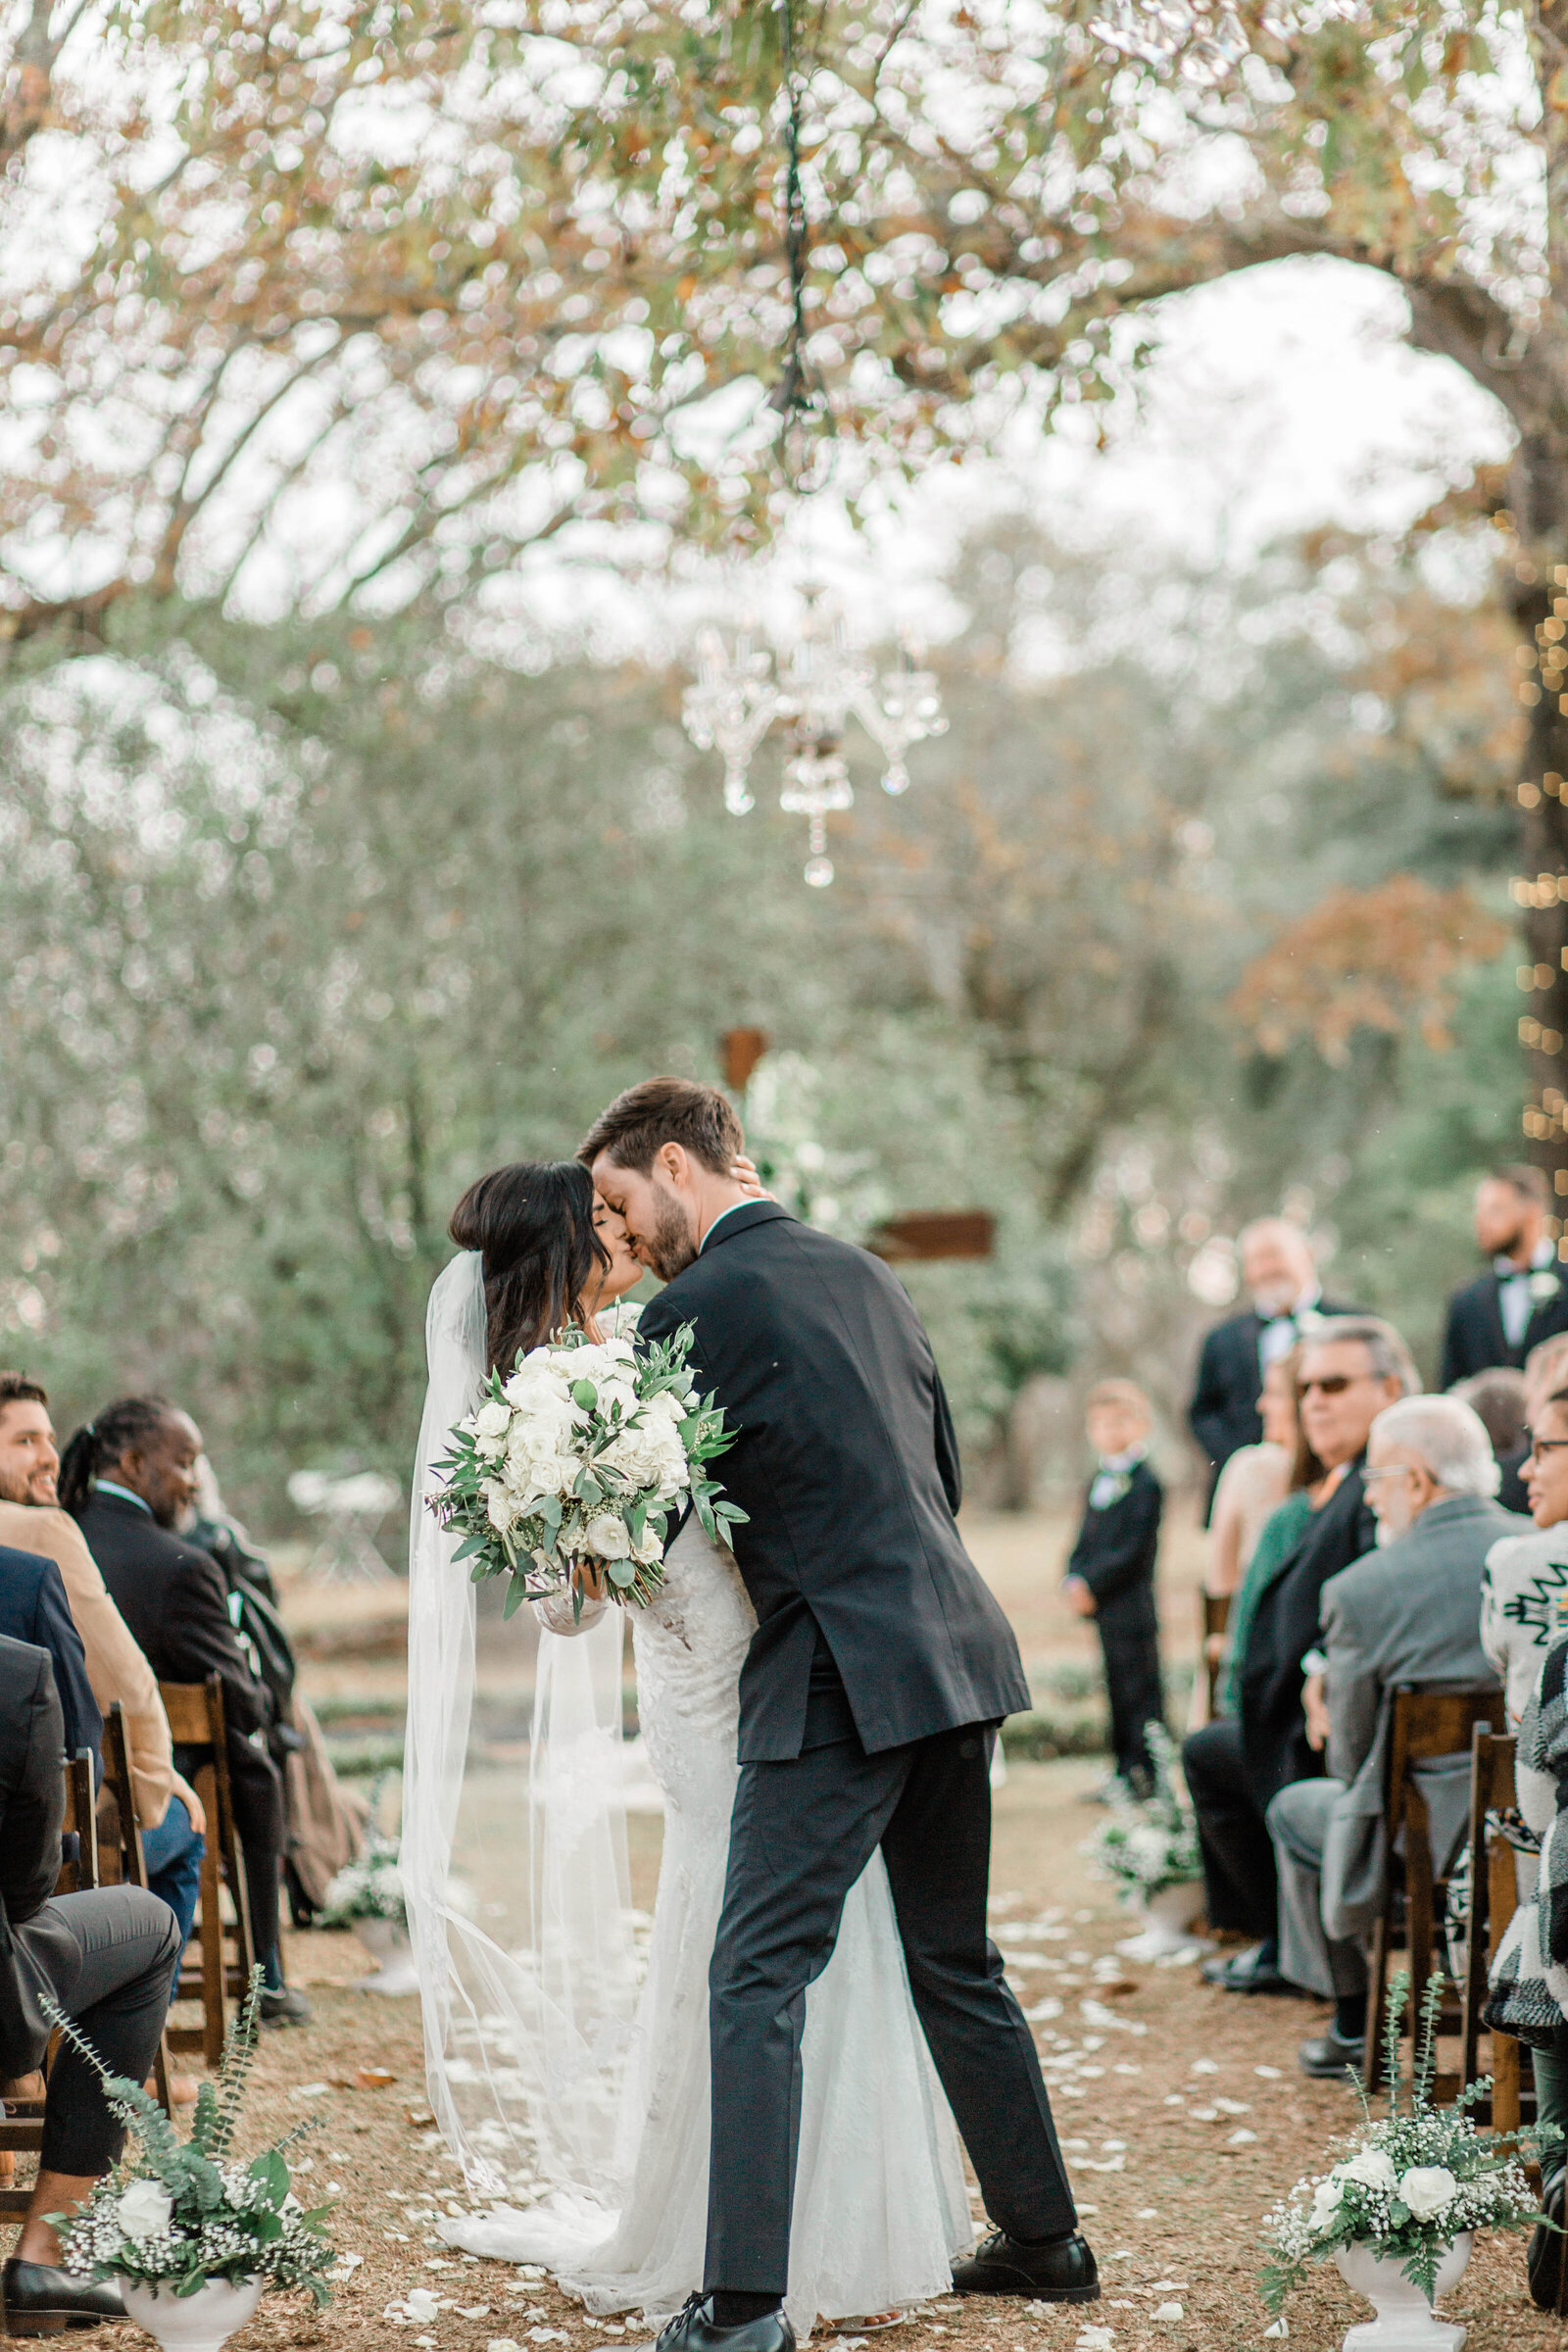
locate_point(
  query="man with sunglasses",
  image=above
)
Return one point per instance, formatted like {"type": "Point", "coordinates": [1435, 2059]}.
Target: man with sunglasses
{"type": "Point", "coordinates": [1347, 1373]}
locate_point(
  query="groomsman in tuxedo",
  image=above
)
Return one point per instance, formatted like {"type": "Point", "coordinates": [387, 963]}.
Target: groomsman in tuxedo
{"type": "Point", "coordinates": [1279, 1277]}
{"type": "Point", "coordinates": [1523, 1298]}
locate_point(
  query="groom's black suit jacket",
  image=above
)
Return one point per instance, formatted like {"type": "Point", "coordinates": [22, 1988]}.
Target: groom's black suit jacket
{"type": "Point", "coordinates": [846, 1464]}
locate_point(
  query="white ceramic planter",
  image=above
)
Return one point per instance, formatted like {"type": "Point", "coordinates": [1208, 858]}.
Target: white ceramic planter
{"type": "Point", "coordinates": [1167, 1921]}
{"type": "Point", "coordinates": [1405, 2321]}
{"type": "Point", "coordinates": [200, 2322]}
{"type": "Point", "coordinates": [387, 1941]}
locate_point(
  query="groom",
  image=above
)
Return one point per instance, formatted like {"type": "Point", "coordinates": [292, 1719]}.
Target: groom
{"type": "Point", "coordinates": [869, 1700]}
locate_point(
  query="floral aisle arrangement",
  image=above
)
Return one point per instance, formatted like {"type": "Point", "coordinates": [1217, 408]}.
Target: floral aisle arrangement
{"type": "Point", "coordinates": [195, 2219]}
{"type": "Point", "coordinates": [1146, 1846]}
{"type": "Point", "coordinates": [370, 1887]}
{"type": "Point", "coordinates": [1410, 2188]}
{"type": "Point", "coordinates": [575, 1462]}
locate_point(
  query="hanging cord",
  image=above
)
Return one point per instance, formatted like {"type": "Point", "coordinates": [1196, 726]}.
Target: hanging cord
{"type": "Point", "coordinates": [798, 396]}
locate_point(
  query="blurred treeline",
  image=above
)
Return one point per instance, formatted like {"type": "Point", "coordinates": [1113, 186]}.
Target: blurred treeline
{"type": "Point", "coordinates": [1194, 910]}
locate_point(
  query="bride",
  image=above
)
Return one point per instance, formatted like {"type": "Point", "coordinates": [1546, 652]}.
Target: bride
{"type": "Point", "coordinates": [550, 2072]}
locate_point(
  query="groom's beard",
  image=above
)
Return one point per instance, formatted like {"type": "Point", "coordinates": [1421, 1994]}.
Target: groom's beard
{"type": "Point", "coordinates": [669, 1247]}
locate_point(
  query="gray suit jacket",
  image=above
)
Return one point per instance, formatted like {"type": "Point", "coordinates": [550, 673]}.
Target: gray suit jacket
{"type": "Point", "coordinates": [1409, 1614]}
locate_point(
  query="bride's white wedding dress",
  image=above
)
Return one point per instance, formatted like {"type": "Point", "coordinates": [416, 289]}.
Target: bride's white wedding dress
{"type": "Point", "coordinates": [880, 2206]}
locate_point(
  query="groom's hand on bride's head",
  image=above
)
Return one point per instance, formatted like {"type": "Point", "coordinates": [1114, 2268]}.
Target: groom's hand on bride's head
{"type": "Point", "coordinates": [744, 1173]}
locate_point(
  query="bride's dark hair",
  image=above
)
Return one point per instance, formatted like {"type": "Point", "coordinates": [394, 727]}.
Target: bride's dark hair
{"type": "Point", "coordinates": [533, 1223]}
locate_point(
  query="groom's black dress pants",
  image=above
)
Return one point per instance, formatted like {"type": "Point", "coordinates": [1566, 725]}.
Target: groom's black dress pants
{"type": "Point", "coordinates": [802, 1834]}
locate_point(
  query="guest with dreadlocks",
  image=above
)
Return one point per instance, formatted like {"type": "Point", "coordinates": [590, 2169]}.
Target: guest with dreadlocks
{"type": "Point", "coordinates": [126, 1479]}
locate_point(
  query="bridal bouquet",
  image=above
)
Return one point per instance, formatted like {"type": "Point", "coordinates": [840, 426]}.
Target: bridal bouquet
{"type": "Point", "coordinates": [575, 1460]}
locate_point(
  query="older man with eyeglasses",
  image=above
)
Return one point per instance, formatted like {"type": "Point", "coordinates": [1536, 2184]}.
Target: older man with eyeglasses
{"type": "Point", "coordinates": [1347, 1373]}
{"type": "Point", "coordinates": [1407, 1614]}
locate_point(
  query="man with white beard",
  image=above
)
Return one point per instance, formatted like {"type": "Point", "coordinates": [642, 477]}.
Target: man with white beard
{"type": "Point", "coordinates": [1408, 1613]}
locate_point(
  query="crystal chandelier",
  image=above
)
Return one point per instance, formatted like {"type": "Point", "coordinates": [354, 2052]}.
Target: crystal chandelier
{"type": "Point", "coordinates": [740, 694]}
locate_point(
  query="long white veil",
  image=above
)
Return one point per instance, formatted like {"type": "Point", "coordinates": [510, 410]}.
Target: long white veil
{"type": "Point", "coordinates": [524, 2040]}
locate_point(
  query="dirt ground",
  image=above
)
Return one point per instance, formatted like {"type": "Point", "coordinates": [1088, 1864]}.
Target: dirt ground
{"type": "Point", "coordinates": [1181, 2109]}
{"type": "Point", "coordinates": [1153, 2088]}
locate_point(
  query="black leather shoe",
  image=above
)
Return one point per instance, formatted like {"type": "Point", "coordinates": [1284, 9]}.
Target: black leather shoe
{"type": "Point", "coordinates": [1328, 2057]}
{"type": "Point", "coordinates": [1060, 2271]}
{"type": "Point", "coordinates": [36, 2299]}
{"type": "Point", "coordinates": [1246, 1972]}
{"type": "Point", "coordinates": [1543, 2262]}
{"type": "Point", "coordinates": [693, 2329]}
{"type": "Point", "coordinates": [282, 2005]}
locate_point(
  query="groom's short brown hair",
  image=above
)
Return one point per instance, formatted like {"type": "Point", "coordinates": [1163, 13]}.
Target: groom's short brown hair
{"type": "Point", "coordinates": [666, 1111]}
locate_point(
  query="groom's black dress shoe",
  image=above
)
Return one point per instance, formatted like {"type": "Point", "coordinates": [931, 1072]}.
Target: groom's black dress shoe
{"type": "Point", "coordinates": [693, 2329]}
{"type": "Point", "coordinates": [1060, 2271]}
{"type": "Point", "coordinates": [35, 2298]}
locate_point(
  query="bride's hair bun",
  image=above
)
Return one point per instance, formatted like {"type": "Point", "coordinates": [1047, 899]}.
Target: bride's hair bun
{"type": "Point", "coordinates": [533, 1225]}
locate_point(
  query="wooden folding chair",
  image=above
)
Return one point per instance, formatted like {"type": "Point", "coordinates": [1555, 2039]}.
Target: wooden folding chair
{"type": "Point", "coordinates": [21, 2118]}
{"type": "Point", "coordinates": [1426, 1726]}
{"type": "Point", "coordinates": [1216, 1613]}
{"type": "Point", "coordinates": [195, 1713]}
{"type": "Point", "coordinates": [1494, 1898]}
{"type": "Point", "coordinates": [124, 1861]}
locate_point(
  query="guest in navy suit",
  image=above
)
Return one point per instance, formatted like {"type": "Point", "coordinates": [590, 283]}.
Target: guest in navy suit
{"type": "Point", "coordinates": [1110, 1574]}
{"type": "Point", "coordinates": [33, 1608]}
{"type": "Point", "coordinates": [1279, 1274]}
{"type": "Point", "coordinates": [1523, 1297]}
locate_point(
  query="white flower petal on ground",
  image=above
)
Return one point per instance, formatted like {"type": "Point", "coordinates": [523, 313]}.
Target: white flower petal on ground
{"type": "Point", "coordinates": [1270, 2073]}
{"type": "Point", "coordinates": [310, 2091]}
{"type": "Point", "coordinates": [421, 2303]}
{"type": "Point", "coordinates": [1203, 2066]}
{"type": "Point", "coordinates": [1279, 2331]}
{"type": "Point", "coordinates": [503, 2343]}
{"type": "Point", "coordinates": [1094, 2339]}
{"type": "Point", "coordinates": [1241, 2139]}
{"type": "Point", "coordinates": [1167, 2311]}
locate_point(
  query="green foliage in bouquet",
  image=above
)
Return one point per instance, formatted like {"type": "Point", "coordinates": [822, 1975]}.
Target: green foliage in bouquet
{"type": "Point", "coordinates": [1145, 1846]}
{"type": "Point", "coordinates": [575, 1460]}
{"type": "Point", "coordinates": [1411, 2181]}
{"type": "Point", "coordinates": [194, 2211]}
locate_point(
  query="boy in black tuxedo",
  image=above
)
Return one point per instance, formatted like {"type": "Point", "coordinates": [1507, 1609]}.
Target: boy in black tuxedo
{"type": "Point", "coordinates": [1110, 1575]}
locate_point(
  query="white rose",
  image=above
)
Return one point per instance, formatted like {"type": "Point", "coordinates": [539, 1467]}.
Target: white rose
{"type": "Point", "coordinates": [665, 1407]}
{"type": "Point", "coordinates": [498, 1505]}
{"type": "Point", "coordinates": [1326, 2198]}
{"type": "Point", "coordinates": [1427, 2189]}
{"type": "Point", "coordinates": [648, 1547]}
{"type": "Point", "coordinates": [492, 1420]}
{"type": "Point", "coordinates": [144, 2209]}
{"type": "Point", "coordinates": [607, 1537]}
{"type": "Point", "coordinates": [1373, 2168]}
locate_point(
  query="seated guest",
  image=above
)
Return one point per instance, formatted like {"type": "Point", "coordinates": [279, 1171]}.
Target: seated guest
{"type": "Point", "coordinates": [1261, 1490]}
{"type": "Point", "coordinates": [108, 1956]}
{"type": "Point", "coordinates": [325, 1821]}
{"type": "Point", "coordinates": [1349, 1371]}
{"type": "Point", "coordinates": [1525, 1996]}
{"type": "Point", "coordinates": [1500, 1398]}
{"type": "Point", "coordinates": [1110, 1574]}
{"type": "Point", "coordinates": [1524, 1592]}
{"type": "Point", "coordinates": [126, 1479]}
{"type": "Point", "coordinates": [1279, 1275]}
{"type": "Point", "coordinates": [1545, 1370]}
{"type": "Point", "coordinates": [1522, 1299]}
{"type": "Point", "coordinates": [168, 1809]}
{"type": "Point", "coordinates": [1409, 1614]}
{"type": "Point", "coordinates": [33, 1608]}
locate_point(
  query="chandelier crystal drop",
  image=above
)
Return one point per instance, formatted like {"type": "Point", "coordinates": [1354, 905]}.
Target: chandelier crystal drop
{"type": "Point", "coordinates": [742, 692]}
